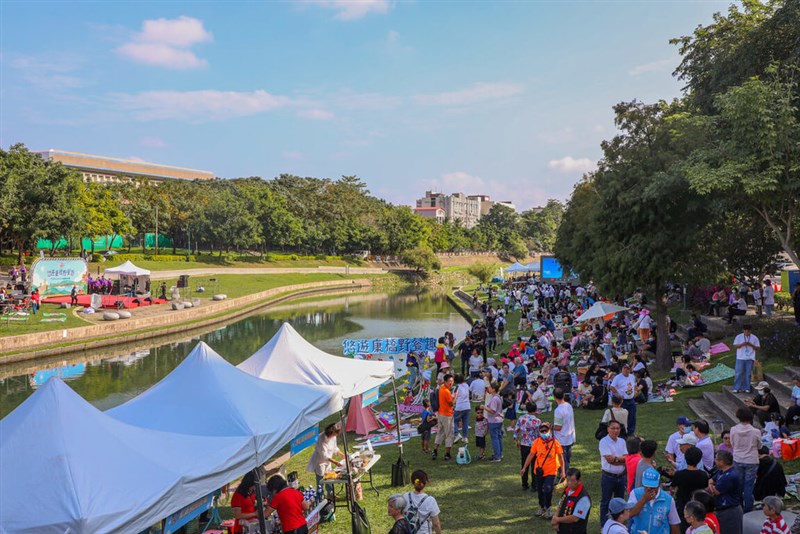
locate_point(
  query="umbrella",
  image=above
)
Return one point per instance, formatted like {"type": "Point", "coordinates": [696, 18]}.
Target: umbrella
{"type": "Point", "coordinates": [600, 309]}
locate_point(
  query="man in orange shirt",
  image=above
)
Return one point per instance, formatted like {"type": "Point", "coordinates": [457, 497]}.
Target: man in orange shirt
{"type": "Point", "coordinates": [445, 418]}
{"type": "Point", "coordinates": [548, 459]}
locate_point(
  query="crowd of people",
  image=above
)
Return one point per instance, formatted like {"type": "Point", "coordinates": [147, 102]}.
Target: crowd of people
{"type": "Point", "coordinates": [695, 488]}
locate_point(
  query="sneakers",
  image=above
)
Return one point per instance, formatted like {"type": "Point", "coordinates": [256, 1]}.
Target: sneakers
{"type": "Point", "coordinates": [482, 457]}
{"type": "Point", "coordinates": [547, 514]}
{"type": "Point", "coordinates": [434, 454]}
{"type": "Point", "coordinates": [736, 391]}
{"type": "Point", "coordinates": [457, 438]}
{"type": "Point", "coordinates": [539, 513]}
{"type": "Point", "coordinates": [496, 460]}
{"type": "Point", "coordinates": [447, 456]}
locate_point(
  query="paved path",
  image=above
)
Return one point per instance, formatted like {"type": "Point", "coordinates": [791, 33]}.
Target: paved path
{"type": "Point", "coordinates": [210, 271]}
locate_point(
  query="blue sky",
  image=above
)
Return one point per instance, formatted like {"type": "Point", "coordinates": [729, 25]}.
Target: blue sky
{"type": "Point", "coordinates": [509, 99]}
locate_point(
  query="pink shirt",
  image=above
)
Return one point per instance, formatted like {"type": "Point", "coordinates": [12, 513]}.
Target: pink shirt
{"type": "Point", "coordinates": [631, 461]}
{"type": "Point", "coordinates": [496, 405]}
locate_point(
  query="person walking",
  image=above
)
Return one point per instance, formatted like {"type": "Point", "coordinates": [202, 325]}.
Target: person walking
{"type": "Point", "coordinates": [73, 296]}
{"type": "Point", "coordinates": [547, 458]}
{"type": "Point", "coordinates": [726, 487]}
{"type": "Point", "coordinates": [444, 416]}
{"type": "Point", "coordinates": [768, 295]}
{"type": "Point", "coordinates": [422, 510]}
{"type": "Point", "coordinates": [525, 433]}
{"type": "Point", "coordinates": [654, 510]}
{"type": "Point", "coordinates": [494, 415]}
{"type": "Point", "coordinates": [746, 440]}
{"type": "Point", "coordinates": [746, 345]}
{"type": "Point", "coordinates": [624, 386]}
{"type": "Point", "coordinates": [572, 514]}
{"type": "Point", "coordinates": [564, 424]}
{"type": "Point", "coordinates": [462, 409]}
{"type": "Point", "coordinates": [612, 463]}
{"type": "Point", "coordinates": [395, 505]}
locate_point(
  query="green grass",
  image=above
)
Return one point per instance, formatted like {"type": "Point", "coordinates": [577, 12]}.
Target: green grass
{"type": "Point", "coordinates": [34, 323]}
{"type": "Point", "coordinates": [181, 265]}
{"type": "Point", "coordinates": [239, 285]}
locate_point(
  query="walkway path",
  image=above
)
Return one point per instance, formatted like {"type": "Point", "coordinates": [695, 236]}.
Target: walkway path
{"type": "Point", "coordinates": [211, 271]}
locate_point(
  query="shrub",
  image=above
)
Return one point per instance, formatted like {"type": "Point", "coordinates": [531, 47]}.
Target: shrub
{"type": "Point", "coordinates": [779, 339]}
{"type": "Point", "coordinates": [783, 300]}
{"type": "Point", "coordinates": [321, 257]}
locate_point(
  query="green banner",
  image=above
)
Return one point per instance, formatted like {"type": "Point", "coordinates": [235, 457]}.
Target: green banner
{"type": "Point", "coordinates": [56, 276]}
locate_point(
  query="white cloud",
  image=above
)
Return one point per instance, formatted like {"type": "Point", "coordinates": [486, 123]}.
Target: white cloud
{"type": "Point", "coordinates": [653, 66]}
{"type": "Point", "coordinates": [167, 42]}
{"type": "Point", "coordinates": [353, 9]}
{"type": "Point", "coordinates": [316, 114]}
{"type": "Point", "coordinates": [292, 155]}
{"type": "Point", "coordinates": [477, 93]}
{"type": "Point", "coordinates": [460, 181]}
{"type": "Point", "coordinates": [152, 142]}
{"type": "Point", "coordinates": [198, 106]}
{"type": "Point", "coordinates": [53, 72]}
{"type": "Point", "coordinates": [568, 164]}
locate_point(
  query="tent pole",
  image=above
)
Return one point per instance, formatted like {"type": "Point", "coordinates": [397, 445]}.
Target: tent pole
{"type": "Point", "coordinates": [262, 521]}
{"type": "Point", "coordinates": [351, 495]}
{"type": "Point", "coordinates": [397, 417]}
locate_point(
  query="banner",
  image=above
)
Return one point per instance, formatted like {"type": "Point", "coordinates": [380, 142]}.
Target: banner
{"type": "Point", "coordinates": [370, 397]}
{"type": "Point", "coordinates": [187, 513]}
{"type": "Point", "coordinates": [56, 276]}
{"type": "Point", "coordinates": [392, 345]}
{"type": "Point", "coordinates": [304, 440]}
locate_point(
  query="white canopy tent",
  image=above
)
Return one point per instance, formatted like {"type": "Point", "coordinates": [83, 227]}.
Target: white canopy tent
{"type": "Point", "coordinates": [128, 269]}
{"type": "Point", "coordinates": [516, 267]}
{"type": "Point", "coordinates": [68, 467]}
{"type": "Point", "coordinates": [288, 357]}
{"type": "Point", "coordinates": [533, 267]}
{"type": "Point", "coordinates": [600, 309]}
{"type": "Point", "coordinates": [136, 278]}
{"type": "Point", "coordinates": [207, 396]}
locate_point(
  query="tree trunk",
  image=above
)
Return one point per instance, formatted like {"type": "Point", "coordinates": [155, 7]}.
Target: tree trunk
{"type": "Point", "coordinates": [663, 346]}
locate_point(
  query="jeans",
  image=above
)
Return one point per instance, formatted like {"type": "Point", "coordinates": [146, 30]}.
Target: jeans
{"type": "Point", "coordinates": [567, 456]}
{"type": "Point", "coordinates": [319, 487]}
{"type": "Point", "coordinates": [748, 472]}
{"type": "Point", "coordinates": [744, 369]}
{"type": "Point", "coordinates": [611, 486]}
{"type": "Point", "coordinates": [412, 377]}
{"type": "Point", "coordinates": [630, 405]}
{"type": "Point", "coordinates": [523, 455]}
{"type": "Point", "coordinates": [768, 309]}
{"type": "Point", "coordinates": [462, 417]}
{"type": "Point", "coordinates": [464, 365]}
{"type": "Point", "coordinates": [544, 486]}
{"type": "Point", "coordinates": [496, 434]}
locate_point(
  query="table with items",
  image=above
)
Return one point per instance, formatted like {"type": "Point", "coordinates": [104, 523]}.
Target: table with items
{"type": "Point", "coordinates": [361, 463]}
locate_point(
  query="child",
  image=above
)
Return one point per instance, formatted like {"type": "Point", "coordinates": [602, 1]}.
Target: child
{"type": "Point", "coordinates": [695, 514]}
{"type": "Point", "coordinates": [481, 428]}
{"type": "Point", "coordinates": [428, 422]}
{"type": "Point", "coordinates": [693, 377]}
{"type": "Point", "coordinates": [774, 523]}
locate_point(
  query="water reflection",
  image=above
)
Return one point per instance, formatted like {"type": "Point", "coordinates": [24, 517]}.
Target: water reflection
{"type": "Point", "coordinates": [110, 378]}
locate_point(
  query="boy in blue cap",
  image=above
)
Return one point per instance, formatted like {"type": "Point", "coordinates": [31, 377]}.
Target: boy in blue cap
{"type": "Point", "coordinates": [653, 510]}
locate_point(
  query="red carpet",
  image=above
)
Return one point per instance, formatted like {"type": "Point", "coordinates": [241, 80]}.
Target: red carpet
{"type": "Point", "coordinates": [109, 301]}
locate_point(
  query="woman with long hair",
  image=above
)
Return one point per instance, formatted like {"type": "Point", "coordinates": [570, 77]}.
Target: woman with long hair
{"type": "Point", "coordinates": [243, 502]}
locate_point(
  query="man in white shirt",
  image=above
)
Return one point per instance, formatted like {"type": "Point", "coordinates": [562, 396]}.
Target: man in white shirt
{"type": "Point", "coordinates": [704, 443]}
{"type": "Point", "coordinates": [613, 481]}
{"type": "Point", "coordinates": [564, 425]}
{"type": "Point", "coordinates": [673, 450]}
{"type": "Point", "coordinates": [768, 296]}
{"type": "Point", "coordinates": [746, 345]}
{"type": "Point", "coordinates": [624, 386]}
{"type": "Point", "coordinates": [477, 389]}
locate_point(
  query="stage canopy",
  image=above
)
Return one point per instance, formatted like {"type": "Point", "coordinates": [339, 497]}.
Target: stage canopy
{"type": "Point", "coordinates": [68, 467]}
{"type": "Point", "coordinates": [288, 357]}
{"type": "Point", "coordinates": [600, 309]}
{"type": "Point", "coordinates": [207, 396]}
{"type": "Point", "coordinates": [128, 269]}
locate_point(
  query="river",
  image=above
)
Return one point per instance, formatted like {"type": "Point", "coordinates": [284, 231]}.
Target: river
{"type": "Point", "coordinates": [110, 377]}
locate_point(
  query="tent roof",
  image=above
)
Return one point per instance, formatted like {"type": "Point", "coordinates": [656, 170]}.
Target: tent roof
{"type": "Point", "coordinates": [533, 266]}
{"type": "Point", "coordinates": [207, 396]}
{"type": "Point", "coordinates": [288, 357]}
{"type": "Point", "coordinates": [600, 309]}
{"type": "Point", "coordinates": [516, 267]}
{"type": "Point", "coordinates": [128, 268]}
{"type": "Point", "coordinates": [68, 467]}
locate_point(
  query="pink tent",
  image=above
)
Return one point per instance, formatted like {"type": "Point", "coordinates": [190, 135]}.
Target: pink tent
{"type": "Point", "coordinates": [360, 420]}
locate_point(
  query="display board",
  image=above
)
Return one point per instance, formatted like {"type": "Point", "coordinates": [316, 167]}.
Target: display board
{"type": "Point", "coordinates": [392, 345]}
{"type": "Point", "coordinates": [551, 269]}
{"type": "Point", "coordinates": [56, 276]}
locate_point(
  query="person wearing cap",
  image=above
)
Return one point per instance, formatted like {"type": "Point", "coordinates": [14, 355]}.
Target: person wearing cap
{"type": "Point", "coordinates": [612, 463]}
{"type": "Point", "coordinates": [573, 510]}
{"type": "Point", "coordinates": [726, 487]}
{"type": "Point", "coordinates": [746, 440]}
{"type": "Point", "coordinates": [547, 458]}
{"type": "Point", "coordinates": [654, 510]}
{"type": "Point", "coordinates": [764, 404]}
{"type": "Point", "coordinates": [618, 515]}
{"type": "Point", "coordinates": [746, 345]}
{"type": "Point", "coordinates": [672, 450]}
{"type": "Point", "coordinates": [624, 386]}
{"type": "Point", "coordinates": [684, 443]}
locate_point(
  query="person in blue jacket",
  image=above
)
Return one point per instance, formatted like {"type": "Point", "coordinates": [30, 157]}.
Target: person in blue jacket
{"type": "Point", "coordinates": [653, 509]}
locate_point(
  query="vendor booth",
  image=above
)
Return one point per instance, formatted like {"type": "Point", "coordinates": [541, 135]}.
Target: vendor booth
{"type": "Point", "coordinates": [133, 280]}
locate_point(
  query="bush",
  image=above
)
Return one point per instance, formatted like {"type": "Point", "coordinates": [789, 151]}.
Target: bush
{"type": "Point", "coordinates": [321, 257]}
{"type": "Point", "coordinates": [783, 300]}
{"type": "Point", "coordinates": [779, 339]}
{"type": "Point", "coordinates": [422, 259]}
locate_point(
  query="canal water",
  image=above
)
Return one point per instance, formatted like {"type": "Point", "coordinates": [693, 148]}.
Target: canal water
{"type": "Point", "coordinates": [113, 376]}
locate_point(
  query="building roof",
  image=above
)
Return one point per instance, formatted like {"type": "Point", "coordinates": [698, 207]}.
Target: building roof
{"type": "Point", "coordinates": [123, 166]}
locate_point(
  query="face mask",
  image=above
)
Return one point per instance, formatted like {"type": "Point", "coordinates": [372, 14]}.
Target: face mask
{"type": "Point", "coordinates": [545, 435]}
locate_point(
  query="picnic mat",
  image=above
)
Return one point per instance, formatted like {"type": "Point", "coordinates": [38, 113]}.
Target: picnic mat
{"type": "Point", "coordinates": [718, 373]}
{"type": "Point", "coordinates": [719, 348]}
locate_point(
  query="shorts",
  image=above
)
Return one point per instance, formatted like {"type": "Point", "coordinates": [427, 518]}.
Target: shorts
{"type": "Point", "coordinates": [426, 436]}
{"type": "Point", "coordinates": [480, 442]}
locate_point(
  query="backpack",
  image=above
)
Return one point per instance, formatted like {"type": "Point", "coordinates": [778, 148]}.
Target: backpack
{"type": "Point", "coordinates": [413, 515]}
{"type": "Point", "coordinates": [434, 399]}
{"type": "Point", "coordinates": [463, 457]}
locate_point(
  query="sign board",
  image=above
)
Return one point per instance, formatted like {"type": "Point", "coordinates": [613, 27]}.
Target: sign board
{"type": "Point", "coordinates": [304, 440]}
{"type": "Point", "coordinates": [370, 397]}
{"type": "Point", "coordinates": [313, 517]}
{"type": "Point", "coordinates": [187, 513]}
{"type": "Point", "coordinates": [56, 276]}
{"type": "Point", "coordinates": [551, 269]}
{"type": "Point", "coordinates": [392, 345]}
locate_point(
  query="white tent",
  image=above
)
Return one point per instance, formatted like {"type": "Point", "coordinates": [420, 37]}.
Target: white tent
{"type": "Point", "coordinates": [68, 467]}
{"type": "Point", "coordinates": [517, 267]}
{"type": "Point", "coordinates": [533, 267]}
{"type": "Point", "coordinates": [127, 269]}
{"type": "Point", "coordinates": [600, 309]}
{"type": "Point", "coordinates": [207, 396]}
{"type": "Point", "coordinates": [288, 357]}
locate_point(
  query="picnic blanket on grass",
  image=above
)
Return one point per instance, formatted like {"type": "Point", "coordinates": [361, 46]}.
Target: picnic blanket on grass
{"type": "Point", "coordinates": [719, 348]}
{"type": "Point", "coordinates": [718, 373]}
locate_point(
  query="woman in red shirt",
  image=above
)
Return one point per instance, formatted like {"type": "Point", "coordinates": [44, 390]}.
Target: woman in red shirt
{"type": "Point", "coordinates": [243, 502]}
{"type": "Point", "coordinates": [289, 504]}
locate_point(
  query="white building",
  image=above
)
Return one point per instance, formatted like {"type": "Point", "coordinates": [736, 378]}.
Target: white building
{"type": "Point", "coordinates": [457, 207]}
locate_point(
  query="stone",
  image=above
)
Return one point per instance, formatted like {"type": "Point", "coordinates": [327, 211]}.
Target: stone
{"type": "Point", "coordinates": [65, 305]}
{"type": "Point", "coordinates": [124, 314]}
{"type": "Point", "coordinates": [187, 304]}
{"type": "Point", "coordinates": [195, 302]}
{"type": "Point", "coordinates": [110, 316]}
{"type": "Point", "coordinates": [221, 296]}
{"type": "Point", "coordinates": [177, 306]}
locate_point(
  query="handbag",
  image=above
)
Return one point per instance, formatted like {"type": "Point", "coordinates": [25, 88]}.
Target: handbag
{"type": "Point", "coordinates": [602, 428]}
{"type": "Point", "coordinates": [360, 521]}
{"type": "Point", "coordinates": [463, 457]}
{"type": "Point", "coordinates": [790, 449]}
{"type": "Point", "coordinates": [400, 472]}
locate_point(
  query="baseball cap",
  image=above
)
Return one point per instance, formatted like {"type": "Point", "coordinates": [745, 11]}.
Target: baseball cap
{"type": "Point", "coordinates": [683, 420]}
{"type": "Point", "coordinates": [544, 425]}
{"type": "Point", "coordinates": [687, 439]}
{"type": "Point", "coordinates": [650, 478]}
{"type": "Point", "coordinates": [618, 505]}
{"type": "Point", "coordinates": [762, 385]}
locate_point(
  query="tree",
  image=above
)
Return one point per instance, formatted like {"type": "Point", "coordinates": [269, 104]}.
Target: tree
{"type": "Point", "coordinates": [541, 226]}
{"type": "Point", "coordinates": [500, 227]}
{"type": "Point", "coordinates": [422, 259]}
{"type": "Point", "coordinates": [484, 272]}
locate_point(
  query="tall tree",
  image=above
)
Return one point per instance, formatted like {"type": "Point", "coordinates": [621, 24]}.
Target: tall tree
{"type": "Point", "coordinates": [540, 226]}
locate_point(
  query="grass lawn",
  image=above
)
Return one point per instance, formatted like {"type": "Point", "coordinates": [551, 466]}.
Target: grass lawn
{"type": "Point", "coordinates": [178, 265]}
{"type": "Point", "coordinates": [35, 322]}
{"type": "Point", "coordinates": [487, 497]}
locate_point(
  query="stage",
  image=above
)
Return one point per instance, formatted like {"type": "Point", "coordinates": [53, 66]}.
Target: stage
{"type": "Point", "coordinates": [109, 301]}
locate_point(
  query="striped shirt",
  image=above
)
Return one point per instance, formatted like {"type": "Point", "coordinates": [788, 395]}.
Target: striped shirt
{"type": "Point", "coordinates": [775, 525]}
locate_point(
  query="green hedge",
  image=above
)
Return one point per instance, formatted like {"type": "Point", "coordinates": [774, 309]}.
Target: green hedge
{"type": "Point", "coordinates": [783, 300]}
